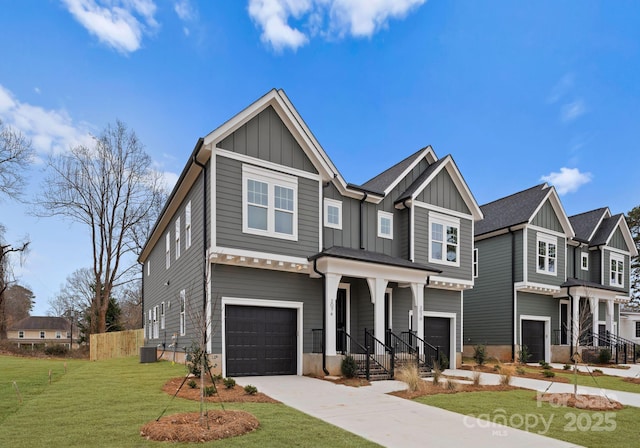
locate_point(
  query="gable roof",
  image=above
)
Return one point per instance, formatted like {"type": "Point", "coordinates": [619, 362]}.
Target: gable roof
{"type": "Point", "coordinates": [520, 208]}
{"type": "Point", "coordinates": [585, 224]}
{"type": "Point", "coordinates": [446, 163]}
{"type": "Point", "coordinates": [41, 323]}
{"type": "Point", "coordinates": [607, 228]}
{"type": "Point", "coordinates": [388, 179]}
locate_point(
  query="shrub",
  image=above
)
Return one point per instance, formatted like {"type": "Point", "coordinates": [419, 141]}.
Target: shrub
{"type": "Point", "coordinates": [437, 373]}
{"type": "Point", "coordinates": [505, 376]}
{"type": "Point", "coordinates": [192, 384]}
{"type": "Point", "coordinates": [548, 373]}
{"type": "Point", "coordinates": [410, 375]}
{"type": "Point", "coordinates": [476, 378]}
{"type": "Point", "coordinates": [597, 371]}
{"type": "Point", "coordinates": [209, 391]}
{"type": "Point", "coordinates": [520, 371]}
{"type": "Point", "coordinates": [443, 361]}
{"type": "Point", "coordinates": [524, 355]}
{"type": "Point", "coordinates": [566, 367]}
{"type": "Point", "coordinates": [545, 365]}
{"type": "Point", "coordinates": [349, 367]}
{"type": "Point", "coordinates": [480, 354]}
{"type": "Point", "coordinates": [250, 389]}
{"type": "Point", "coordinates": [604, 356]}
{"type": "Point", "coordinates": [497, 367]}
{"type": "Point", "coordinates": [195, 356]}
{"type": "Point", "coordinates": [451, 385]}
{"type": "Point", "coordinates": [229, 383]}
{"type": "Point", "coordinates": [56, 350]}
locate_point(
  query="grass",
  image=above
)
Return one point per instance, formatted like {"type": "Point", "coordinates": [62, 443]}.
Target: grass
{"type": "Point", "coordinates": [96, 404]}
{"type": "Point", "coordinates": [604, 381]}
{"type": "Point", "coordinates": [585, 428]}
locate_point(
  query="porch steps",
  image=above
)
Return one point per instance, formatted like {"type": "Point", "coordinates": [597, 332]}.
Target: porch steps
{"type": "Point", "coordinates": [376, 373]}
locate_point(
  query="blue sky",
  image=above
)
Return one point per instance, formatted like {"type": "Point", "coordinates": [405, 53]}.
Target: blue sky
{"type": "Point", "coordinates": [518, 92]}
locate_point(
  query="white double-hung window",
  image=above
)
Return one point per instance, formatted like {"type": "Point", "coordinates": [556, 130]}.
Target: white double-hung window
{"type": "Point", "coordinates": [269, 203]}
{"type": "Point", "coordinates": [547, 254]}
{"type": "Point", "coordinates": [616, 274]}
{"type": "Point", "coordinates": [444, 239]}
{"type": "Point", "coordinates": [332, 213]}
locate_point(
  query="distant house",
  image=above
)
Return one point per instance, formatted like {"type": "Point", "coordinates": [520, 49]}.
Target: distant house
{"type": "Point", "coordinates": [40, 331]}
{"type": "Point", "coordinates": [630, 325]}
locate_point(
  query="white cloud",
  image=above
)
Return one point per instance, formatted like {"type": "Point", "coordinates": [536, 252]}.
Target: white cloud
{"type": "Point", "coordinates": [562, 87]}
{"type": "Point", "coordinates": [573, 110]}
{"type": "Point", "coordinates": [168, 180]}
{"type": "Point", "coordinates": [187, 13]}
{"type": "Point", "coordinates": [568, 180]}
{"type": "Point", "coordinates": [358, 18]}
{"type": "Point", "coordinates": [49, 130]}
{"type": "Point", "coordinates": [117, 23]}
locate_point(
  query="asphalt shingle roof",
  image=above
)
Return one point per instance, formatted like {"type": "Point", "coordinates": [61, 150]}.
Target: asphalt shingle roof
{"type": "Point", "coordinates": [511, 210]}
{"type": "Point", "coordinates": [577, 282]}
{"type": "Point", "coordinates": [41, 323]}
{"type": "Point", "coordinates": [605, 230]}
{"type": "Point", "coordinates": [585, 223]}
{"type": "Point", "coordinates": [382, 181]}
{"type": "Point", "coordinates": [371, 257]}
{"type": "Point", "coordinates": [420, 179]}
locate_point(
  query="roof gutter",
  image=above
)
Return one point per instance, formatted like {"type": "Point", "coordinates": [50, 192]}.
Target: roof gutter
{"type": "Point", "coordinates": [364, 198]}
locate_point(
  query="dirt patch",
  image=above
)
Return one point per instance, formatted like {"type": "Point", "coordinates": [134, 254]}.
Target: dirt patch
{"type": "Point", "coordinates": [224, 395]}
{"type": "Point", "coordinates": [187, 427]}
{"type": "Point", "coordinates": [588, 402]}
{"type": "Point", "coordinates": [632, 380]}
{"type": "Point", "coordinates": [352, 382]}
{"type": "Point", "coordinates": [441, 388]}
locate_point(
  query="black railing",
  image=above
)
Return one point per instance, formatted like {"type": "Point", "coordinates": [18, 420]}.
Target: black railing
{"type": "Point", "coordinates": [561, 336]}
{"type": "Point", "coordinates": [622, 350]}
{"type": "Point", "coordinates": [402, 349]}
{"type": "Point", "coordinates": [379, 352]}
{"type": "Point", "coordinates": [357, 351]}
{"type": "Point", "coordinates": [430, 353]}
{"type": "Point", "coordinates": [317, 340]}
{"type": "Point", "coordinates": [625, 347]}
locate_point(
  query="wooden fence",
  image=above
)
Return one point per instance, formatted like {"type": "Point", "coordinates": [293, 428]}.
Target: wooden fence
{"type": "Point", "coordinates": [118, 344]}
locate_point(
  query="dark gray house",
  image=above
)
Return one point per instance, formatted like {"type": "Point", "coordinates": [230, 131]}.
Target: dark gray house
{"type": "Point", "coordinates": [291, 266]}
{"type": "Point", "coordinates": [543, 277]}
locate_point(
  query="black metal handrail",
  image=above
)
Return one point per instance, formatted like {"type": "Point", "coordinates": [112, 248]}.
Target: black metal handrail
{"type": "Point", "coordinates": [379, 352]}
{"type": "Point", "coordinates": [317, 340]}
{"type": "Point", "coordinates": [628, 347]}
{"type": "Point", "coordinates": [616, 344]}
{"type": "Point", "coordinates": [430, 353]}
{"type": "Point", "coordinates": [402, 347]}
{"type": "Point", "coordinates": [357, 351]}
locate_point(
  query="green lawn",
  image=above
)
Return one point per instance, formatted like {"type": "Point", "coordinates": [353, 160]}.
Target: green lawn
{"type": "Point", "coordinates": [604, 382]}
{"type": "Point", "coordinates": [588, 428]}
{"type": "Point", "coordinates": [97, 404]}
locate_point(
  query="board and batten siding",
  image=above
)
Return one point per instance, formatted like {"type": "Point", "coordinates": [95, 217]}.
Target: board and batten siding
{"type": "Point", "coordinates": [229, 211]}
{"type": "Point", "coordinates": [595, 266]}
{"type": "Point", "coordinates": [422, 229]}
{"type": "Point", "coordinates": [266, 137]}
{"type": "Point", "coordinates": [251, 283]}
{"type": "Point", "coordinates": [442, 191]}
{"type": "Point", "coordinates": [349, 235]}
{"type": "Point", "coordinates": [538, 305]}
{"type": "Point", "coordinates": [487, 307]}
{"type": "Point", "coordinates": [547, 218]}
{"type": "Point", "coordinates": [617, 240]}
{"type": "Point", "coordinates": [185, 273]}
{"type": "Point", "coordinates": [532, 261]}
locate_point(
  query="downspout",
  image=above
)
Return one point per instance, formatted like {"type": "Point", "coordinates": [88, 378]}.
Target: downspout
{"type": "Point", "coordinates": [205, 239]}
{"type": "Point", "coordinates": [324, 315]}
{"type": "Point", "coordinates": [573, 324]}
{"type": "Point", "coordinates": [513, 294]}
{"type": "Point", "coordinates": [364, 198]}
{"type": "Point", "coordinates": [404, 204]}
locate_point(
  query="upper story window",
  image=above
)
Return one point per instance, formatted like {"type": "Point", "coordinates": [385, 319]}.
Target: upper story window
{"type": "Point", "coordinates": [187, 226]}
{"type": "Point", "coordinates": [148, 267]}
{"type": "Point", "coordinates": [162, 317]}
{"type": "Point", "coordinates": [178, 238]}
{"type": "Point", "coordinates": [584, 261]}
{"type": "Point", "coordinates": [616, 275]}
{"type": "Point", "coordinates": [333, 214]}
{"type": "Point", "coordinates": [638, 329]}
{"type": "Point", "coordinates": [475, 262]}
{"type": "Point", "coordinates": [547, 254]}
{"type": "Point", "coordinates": [444, 239]}
{"type": "Point", "coordinates": [42, 335]}
{"type": "Point", "coordinates": [269, 203]}
{"type": "Point", "coordinates": [21, 334]}
{"type": "Point", "coordinates": [385, 224]}
{"type": "Point", "coordinates": [58, 335]}
{"type": "Point", "coordinates": [167, 250]}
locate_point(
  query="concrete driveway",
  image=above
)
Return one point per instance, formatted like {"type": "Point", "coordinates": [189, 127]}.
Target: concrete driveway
{"type": "Point", "coordinates": [391, 421]}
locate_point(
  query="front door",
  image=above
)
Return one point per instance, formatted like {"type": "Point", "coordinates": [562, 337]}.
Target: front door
{"type": "Point", "coordinates": [533, 339]}
{"type": "Point", "coordinates": [437, 332]}
{"type": "Point", "coordinates": [341, 320]}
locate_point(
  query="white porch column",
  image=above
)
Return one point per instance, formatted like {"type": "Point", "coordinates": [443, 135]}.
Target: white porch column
{"type": "Point", "coordinates": [609, 318]}
{"type": "Point", "coordinates": [331, 291]}
{"type": "Point", "coordinates": [575, 321]}
{"type": "Point", "coordinates": [594, 302]}
{"type": "Point", "coordinates": [417, 290]}
{"type": "Point", "coordinates": [378, 286]}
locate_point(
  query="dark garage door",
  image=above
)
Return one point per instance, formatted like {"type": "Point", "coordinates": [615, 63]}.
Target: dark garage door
{"type": "Point", "coordinates": [260, 341]}
{"type": "Point", "coordinates": [437, 332]}
{"type": "Point", "coordinates": [533, 338]}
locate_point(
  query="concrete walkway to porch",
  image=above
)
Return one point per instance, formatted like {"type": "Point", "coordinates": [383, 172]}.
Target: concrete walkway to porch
{"type": "Point", "coordinates": [626, 398]}
{"type": "Point", "coordinates": [391, 421]}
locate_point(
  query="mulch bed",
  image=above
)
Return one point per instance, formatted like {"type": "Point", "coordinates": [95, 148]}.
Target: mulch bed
{"type": "Point", "coordinates": [428, 388]}
{"type": "Point", "coordinates": [589, 402]}
{"type": "Point", "coordinates": [187, 427]}
{"type": "Point", "coordinates": [224, 395]}
{"type": "Point", "coordinates": [632, 380]}
{"type": "Point", "coordinates": [530, 375]}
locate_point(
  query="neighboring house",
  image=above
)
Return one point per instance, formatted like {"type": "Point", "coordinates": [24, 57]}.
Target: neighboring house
{"type": "Point", "coordinates": [545, 281]}
{"type": "Point", "coordinates": [293, 264]}
{"type": "Point", "coordinates": [40, 331]}
{"type": "Point", "coordinates": [630, 325]}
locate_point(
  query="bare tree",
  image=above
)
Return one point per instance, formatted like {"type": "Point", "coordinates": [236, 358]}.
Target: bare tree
{"type": "Point", "coordinates": [130, 300]}
{"type": "Point", "coordinates": [15, 155]}
{"type": "Point", "coordinates": [112, 189]}
{"type": "Point", "coordinates": [6, 276]}
{"type": "Point", "coordinates": [75, 296]}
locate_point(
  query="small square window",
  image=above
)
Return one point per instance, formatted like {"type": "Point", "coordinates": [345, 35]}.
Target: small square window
{"type": "Point", "coordinates": [58, 335]}
{"type": "Point", "coordinates": [584, 261]}
{"type": "Point", "coordinates": [21, 334]}
{"type": "Point", "coordinates": [333, 214]}
{"type": "Point", "coordinates": [385, 225]}
{"type": "Point", "coordinates": [42, 335]}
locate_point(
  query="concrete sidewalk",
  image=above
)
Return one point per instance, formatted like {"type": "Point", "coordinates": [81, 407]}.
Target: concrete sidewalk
{"type": "Point", "coordinates": [391, 421]}
{"type": "Point", "coordinates": [626, 398]}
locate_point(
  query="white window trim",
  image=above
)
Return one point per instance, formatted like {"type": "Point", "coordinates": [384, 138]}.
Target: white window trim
{"type": "Point", "coordinates": [547, 332]}
{"type": "Point", "coordinates": [167, 250]}
{"type": "Point", "coordinates": [177, 237]}
{"type": "Point", "coordinates": [183, 309]}
{"type": "Point", "coordinates": [332, 203]}
{"type": "Point", "coordinates": [43, 335]}
{"type": "Point", "coordinates": [584, 256]}
{"type": "Point", "coordinates": [476, 266]}
{"type": "Point", "coordinates": [58, 335]}
{"type": "Point", "coordinates": [148, 268]}
{"type": "Point", "coordinates": [21, 334]}
{"type": "Point", "coordinates": [272, 179]}
{"type": "Point", "coordinates": [385, 215]}
{"type": "Point", "coordinates": [445, 221]}
{"type": "Point", "coordinates": [162, 316]}
{"type": "Point", "coordinates": [619, 258]}
{"type": "Point", "coordinates": [549, 240]}
{"type": "Point", "coordinates": [187, 226]}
